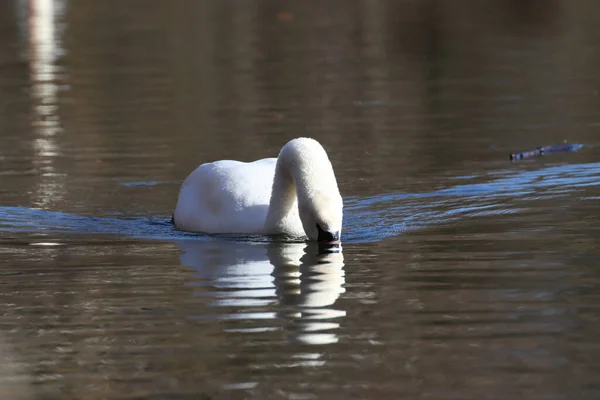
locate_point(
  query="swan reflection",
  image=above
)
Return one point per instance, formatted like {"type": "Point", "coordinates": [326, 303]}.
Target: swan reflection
{"type": "Point", "coordinates": [298, 283]}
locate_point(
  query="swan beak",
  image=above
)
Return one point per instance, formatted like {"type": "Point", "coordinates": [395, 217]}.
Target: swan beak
{"type": "Point", "coordinates": [327, 236]}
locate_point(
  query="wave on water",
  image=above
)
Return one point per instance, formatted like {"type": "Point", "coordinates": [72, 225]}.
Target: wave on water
{"type": "Point", "coordinates": [366, 219]}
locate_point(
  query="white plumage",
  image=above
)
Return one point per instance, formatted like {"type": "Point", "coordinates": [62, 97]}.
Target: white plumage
{"type": "Point", "coordinates": [294, 194]}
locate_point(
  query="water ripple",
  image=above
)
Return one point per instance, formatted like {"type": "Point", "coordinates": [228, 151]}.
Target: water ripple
{"type": "Point", "coordinates": [367, 219]}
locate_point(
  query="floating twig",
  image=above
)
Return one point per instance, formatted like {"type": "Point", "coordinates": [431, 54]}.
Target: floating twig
{"type": "Point", "coordinates": [540, 151]}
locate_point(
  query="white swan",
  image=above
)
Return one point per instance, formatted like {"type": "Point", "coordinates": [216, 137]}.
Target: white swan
{"type": "Point", "coordinates": [294, 194]}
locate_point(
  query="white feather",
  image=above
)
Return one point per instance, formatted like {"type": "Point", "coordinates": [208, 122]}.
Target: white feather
{"type": "Point", "coordinates": [289, 194]}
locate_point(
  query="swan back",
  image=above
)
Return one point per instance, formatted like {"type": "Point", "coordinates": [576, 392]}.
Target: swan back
{"type": "Point", "coordinates": [304, 172]}
{"type": "Point", "coordinates": [226, 197]}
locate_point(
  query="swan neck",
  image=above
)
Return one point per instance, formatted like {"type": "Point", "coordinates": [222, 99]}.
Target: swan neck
{"type": "Point", "coordinates": [304, 191]}
{"type": "Point", "coordinates": [282, 204]}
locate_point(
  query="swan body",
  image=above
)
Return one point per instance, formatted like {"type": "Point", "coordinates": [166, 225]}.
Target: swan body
{"type": "Point", "coordinates": [295, 194]}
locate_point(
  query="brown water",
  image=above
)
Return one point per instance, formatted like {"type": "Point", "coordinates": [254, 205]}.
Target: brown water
{"type": "Point", "coordinates": [462, 275]}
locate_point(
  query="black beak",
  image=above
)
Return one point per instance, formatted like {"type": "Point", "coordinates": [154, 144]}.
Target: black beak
{"type": "Point", "coordinates": [327, 236]}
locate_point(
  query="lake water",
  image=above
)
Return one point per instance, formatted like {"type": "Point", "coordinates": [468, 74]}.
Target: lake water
{"type": "Point", "coordinates": [461, 275]}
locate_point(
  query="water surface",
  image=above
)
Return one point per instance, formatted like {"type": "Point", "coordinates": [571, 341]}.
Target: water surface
{"type": "Point", "coordinates": [461, 275]}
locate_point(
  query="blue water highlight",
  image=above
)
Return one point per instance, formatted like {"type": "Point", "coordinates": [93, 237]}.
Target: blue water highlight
{"type": "Point", "coordinates": [366, 219]}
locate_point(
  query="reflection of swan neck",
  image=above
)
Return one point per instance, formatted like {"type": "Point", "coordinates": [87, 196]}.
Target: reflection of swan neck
{"type": "Point", "coordinates": [314, 279]}
{"type": "Point", "coordinates": [308, 288]}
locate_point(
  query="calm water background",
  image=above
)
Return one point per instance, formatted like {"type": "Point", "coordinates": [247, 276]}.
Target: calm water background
{"type": "Point", "coordinates": [462, 276]}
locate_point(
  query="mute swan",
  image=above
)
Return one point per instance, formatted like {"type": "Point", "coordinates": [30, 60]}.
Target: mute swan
{"type": "Point", "coordinates": [294, 194]}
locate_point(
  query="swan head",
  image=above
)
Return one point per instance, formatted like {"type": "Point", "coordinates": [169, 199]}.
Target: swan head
{"type": "Point", "coordinates": [321, 216]}
{"type": "Point", "coordinates": [320, 204]}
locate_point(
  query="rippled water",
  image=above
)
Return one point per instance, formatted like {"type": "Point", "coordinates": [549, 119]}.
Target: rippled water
{"type": "Point", "coordinates": [461, 275]}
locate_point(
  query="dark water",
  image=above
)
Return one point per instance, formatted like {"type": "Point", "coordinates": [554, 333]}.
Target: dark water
{"type": "Point", "coordinates": [461, 275]}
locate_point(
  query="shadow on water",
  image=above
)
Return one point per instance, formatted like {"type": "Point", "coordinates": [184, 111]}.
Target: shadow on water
{"type": "Point", "coordinates": [303, 281]}
{"type": "Point", "coordinates": [366, 219]}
